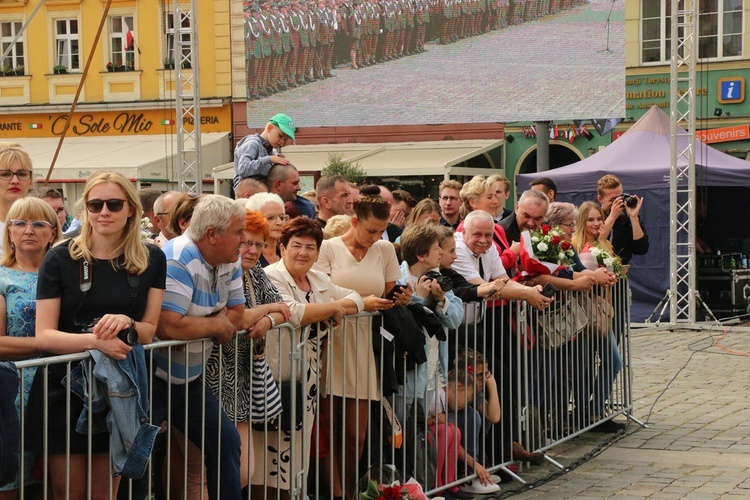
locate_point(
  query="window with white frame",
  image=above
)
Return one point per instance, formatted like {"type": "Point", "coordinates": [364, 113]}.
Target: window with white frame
{"type": "Point", "coordinates": [15, 59]}
{"type": "Point", "coordinates": [171, 40]}
{"type": "Point", "coordinates": [66, 44]}
{"type": "Point", "coordinates": [719, 29]}
{"type": "Point", "coordinates": [122, 44]}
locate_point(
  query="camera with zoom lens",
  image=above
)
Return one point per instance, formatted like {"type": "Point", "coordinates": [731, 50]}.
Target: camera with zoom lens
{"type": "Point", "coordinates": [443, 281]}
{"type": "Point", "coordinates": [129, 335]}
{"type": "Point", "coordinates": [630, 200]}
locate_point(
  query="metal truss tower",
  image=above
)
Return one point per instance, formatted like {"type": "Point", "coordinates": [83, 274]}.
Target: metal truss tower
{"type": "Point", "coordinates": [682, 103]}
{"type": "Point", "coordinates": [187, 97]}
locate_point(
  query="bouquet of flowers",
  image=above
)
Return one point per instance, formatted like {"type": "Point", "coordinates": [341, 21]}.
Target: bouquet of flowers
{"type": "Point", "coordinates": [596, 257]}
{"type": "Point", "coordinates": [543, 250]}
{"type": "Point", "coordinates": [411, 490]}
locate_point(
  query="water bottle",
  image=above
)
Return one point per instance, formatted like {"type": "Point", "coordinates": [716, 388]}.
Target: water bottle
{"type": "Point", "coordinates": [732, 262]}
{"type": "Point", "coordinates": [744, 262]}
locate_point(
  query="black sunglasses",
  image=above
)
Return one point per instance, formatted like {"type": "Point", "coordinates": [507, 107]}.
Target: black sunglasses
{"type": "Point", "coordinates": [113, 205]}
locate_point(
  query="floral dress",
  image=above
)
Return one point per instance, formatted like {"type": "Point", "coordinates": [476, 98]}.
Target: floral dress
{"type": "Point", "coordinates": [19, 290]}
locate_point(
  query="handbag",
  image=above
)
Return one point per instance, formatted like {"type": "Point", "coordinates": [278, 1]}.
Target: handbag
{"type": "Point", "coordinates": [559, 325]}
{"type": "Point", "coordinates": [287, 396]}
{"type": "Point", "coordinates": [292, 397]}
{"type": "Point", "coordinates": [265, 400]}
{"type": "Point", "coordinates": [600, 314]}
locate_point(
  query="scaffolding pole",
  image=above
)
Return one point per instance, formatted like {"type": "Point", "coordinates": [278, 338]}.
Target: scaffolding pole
{"type": "Point", "coordinates": [682, 293]}
{"type": "Point", "coordinates": [187, 97]}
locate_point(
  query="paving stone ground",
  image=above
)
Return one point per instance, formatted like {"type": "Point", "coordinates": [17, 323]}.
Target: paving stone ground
{"type": "Point", "coordinates": [691, 387]}
{"type": "Point", "coordinates": [553, 68]}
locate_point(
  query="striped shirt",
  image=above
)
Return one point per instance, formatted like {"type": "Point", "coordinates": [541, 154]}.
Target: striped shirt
{"type": "Point", "coordinates": [194, 288]}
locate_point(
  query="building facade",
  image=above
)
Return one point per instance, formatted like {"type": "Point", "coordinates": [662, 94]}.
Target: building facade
{"type": "Point", "coordinates": [723, 67]}
{"type": "Point", "coordinates": [127, 96]}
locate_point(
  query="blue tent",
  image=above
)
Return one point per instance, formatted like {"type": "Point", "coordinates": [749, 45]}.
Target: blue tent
{"type": "Point", "coordinates": [641, 160]}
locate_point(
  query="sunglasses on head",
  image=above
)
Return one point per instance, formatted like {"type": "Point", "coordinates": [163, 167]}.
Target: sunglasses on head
{"type": "Point", "coordinates": [113, 205]}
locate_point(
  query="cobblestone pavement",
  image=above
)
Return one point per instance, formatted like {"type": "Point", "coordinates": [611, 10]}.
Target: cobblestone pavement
{"type": "Point", "coordinates": [697, 442]}
{"type": "Point", "coordinates": [554, 68]}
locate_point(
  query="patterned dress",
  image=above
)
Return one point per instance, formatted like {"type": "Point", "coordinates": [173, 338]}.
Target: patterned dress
{"type": "Point", "coordinates": [19, 290]}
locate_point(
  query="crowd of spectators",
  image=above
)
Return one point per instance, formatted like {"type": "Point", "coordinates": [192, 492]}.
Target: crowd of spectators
{"type": "Point", "coordinates": [173, 266]}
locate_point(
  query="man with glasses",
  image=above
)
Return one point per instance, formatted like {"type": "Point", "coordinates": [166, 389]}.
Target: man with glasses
{"type": "Point", "coordinates": [450, 202]}
{"type": "Point", "coordinates": [55, 199]}
{"type": "Point", "coordinates": [162, 215]}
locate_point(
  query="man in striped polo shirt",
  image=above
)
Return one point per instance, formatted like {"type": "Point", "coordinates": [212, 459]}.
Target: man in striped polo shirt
{"type": "Point", "coordinates": [203, 300]}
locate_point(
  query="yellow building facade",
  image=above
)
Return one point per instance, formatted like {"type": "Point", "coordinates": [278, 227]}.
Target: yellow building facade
{"type": "Point", "coordinates": [129, 87]}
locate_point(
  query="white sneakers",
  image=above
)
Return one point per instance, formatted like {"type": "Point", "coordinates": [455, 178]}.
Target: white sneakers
{"type": "Point", "coordinates": [476, 487]}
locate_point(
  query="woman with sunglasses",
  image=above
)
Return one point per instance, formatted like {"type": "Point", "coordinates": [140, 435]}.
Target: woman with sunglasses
{"type": "Point", "coordinates": [272, 206]}
{"type": "Point", "coordinates": [16, 178]}
{"type": "Point", "coordinates": [31, 230]}
{"type": "Point", "coordinates": [92, 289]}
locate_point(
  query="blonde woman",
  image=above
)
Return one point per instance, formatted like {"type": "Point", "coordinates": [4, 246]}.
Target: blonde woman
{"type": "Point", "coordinates": [32, 228]}
{"type": "Point", "coordinates": [16, 178]}
{"type": "Point", "coordinates": [91, 288]}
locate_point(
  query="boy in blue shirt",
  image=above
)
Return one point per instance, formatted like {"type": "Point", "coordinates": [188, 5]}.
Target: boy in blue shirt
{"type": "Point", "coordinates": [255, 154]}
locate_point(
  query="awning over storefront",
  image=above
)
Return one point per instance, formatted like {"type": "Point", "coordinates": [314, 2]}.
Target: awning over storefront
{"type": "Point", "coordinates": [151, 158]}
{"type": "Point", "coordinates": [392, 159]}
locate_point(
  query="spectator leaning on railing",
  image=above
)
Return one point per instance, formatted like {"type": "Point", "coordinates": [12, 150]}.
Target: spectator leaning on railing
{"type": "Point", "coordinates": [204, 299]}
{"type": "Point", "coordinates": [91, 290]}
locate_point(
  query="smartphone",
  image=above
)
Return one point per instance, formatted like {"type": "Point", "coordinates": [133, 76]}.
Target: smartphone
{"type": "Point", "coordinates": [396, 289]}
{"type": "Point", "coordinates": [549, 290]}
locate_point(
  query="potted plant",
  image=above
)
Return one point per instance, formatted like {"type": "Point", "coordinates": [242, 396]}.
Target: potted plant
{"type": "Point", "coordinates": [168, 63]}
{"type": "Point", "coordinates": [60, 69]}
{"type": "Point", "coordinates": [130, 66]}
{"type": "Point", "coordinates": [186, 65]}
{"type": "Point", "coordinates": [20, 70]}
{"type": "Point", "coordinates": [8, 69]}
{"type": "Point", "coordinates": [110, 66]}
{"type": "Point", "coordinates": [119, 67]}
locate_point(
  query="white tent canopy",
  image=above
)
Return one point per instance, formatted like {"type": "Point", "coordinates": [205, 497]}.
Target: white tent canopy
{"type": "Point", "coordinates": [144, 158]}
{"type": "Point", "coordinates": [391, 159]}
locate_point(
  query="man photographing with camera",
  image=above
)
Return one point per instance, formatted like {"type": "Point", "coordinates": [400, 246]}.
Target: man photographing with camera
{"type": "Point", "coordinates": [623, 226]}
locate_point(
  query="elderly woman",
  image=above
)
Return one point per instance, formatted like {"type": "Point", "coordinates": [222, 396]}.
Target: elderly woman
{"type": "Point", "coordinates": [272, 206]}
{"type": "Point", "coordinates": [16, 178]}
{"type": "Point", "coordinates": [32, 228]}
{"type": "Point", "coordinates": [312, 299]}
{"type": "Point", "coordinates": [228, 371]}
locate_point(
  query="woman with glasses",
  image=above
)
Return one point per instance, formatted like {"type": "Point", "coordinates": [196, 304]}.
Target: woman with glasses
{"type": "Point", "coordinates": [312, 298]}
{"type": "Point", "coordinates": [272, 206]}
{"type": "Point", "coordinates": [32, 228]}
{"type": "Point", "coordinates": [228, 371]}
{"type": "Point", "coordinates": [100, 291]}
{"type": "Point", "coordinates": [16, 178]}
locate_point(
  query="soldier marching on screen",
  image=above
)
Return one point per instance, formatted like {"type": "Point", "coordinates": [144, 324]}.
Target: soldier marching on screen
{"type": "Point", "coordinates": [312, 26]}
{"type": "Point", "coordinates": [253, 49]}
{"type": "Point", "coordinates": [422, 19]}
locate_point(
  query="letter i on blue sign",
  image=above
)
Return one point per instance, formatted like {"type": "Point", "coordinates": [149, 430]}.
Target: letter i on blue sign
{"type": "Point", "coordinates": [731, 90]}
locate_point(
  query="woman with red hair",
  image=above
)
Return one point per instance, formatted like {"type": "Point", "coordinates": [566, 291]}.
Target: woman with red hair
{"type": "Point", "coordinates": [229, 369]}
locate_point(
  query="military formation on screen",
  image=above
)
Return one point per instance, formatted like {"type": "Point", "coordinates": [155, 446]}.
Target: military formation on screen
{"type": "Point", "coordinates": [291, 43]}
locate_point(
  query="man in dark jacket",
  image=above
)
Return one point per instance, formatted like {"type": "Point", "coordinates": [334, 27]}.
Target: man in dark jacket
{"type": "Point", "coordinates": [628, 235]}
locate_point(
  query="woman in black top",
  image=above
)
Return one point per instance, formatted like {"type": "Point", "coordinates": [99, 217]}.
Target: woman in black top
{"type": "Point", "coordinates": [91, 288]}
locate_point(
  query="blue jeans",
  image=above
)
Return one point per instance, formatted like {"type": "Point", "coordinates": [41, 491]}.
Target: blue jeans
{"type": "Point", "coordinates": [222, 451]}
{"type": "Point", "coordinates": [610, 365]}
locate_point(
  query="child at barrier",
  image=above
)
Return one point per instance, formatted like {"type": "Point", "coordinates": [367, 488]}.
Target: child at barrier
{"type": "Point", "coordinates": [475, 419]}
{"type": "Point", "coordinates": [454, 398]}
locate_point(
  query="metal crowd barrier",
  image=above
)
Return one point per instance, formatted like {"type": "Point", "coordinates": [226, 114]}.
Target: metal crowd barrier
{"type": "Point", "coordinates": [550, 388]}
